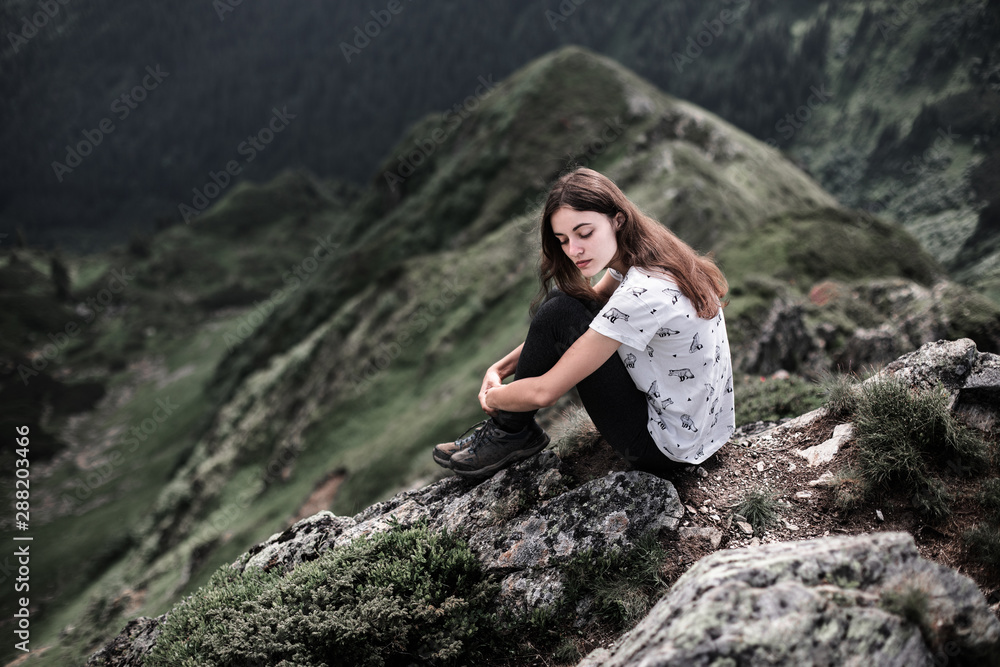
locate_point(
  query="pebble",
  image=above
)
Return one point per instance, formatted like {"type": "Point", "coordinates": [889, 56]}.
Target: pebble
{"type": "Point", "coordinates": [745, 527]}
{"type": "Point", "coordinates": [760, 466]}
{"type": "Point", "coordinates": [804, 494]}
{"type": "Point", "coordinates": [878, 514]}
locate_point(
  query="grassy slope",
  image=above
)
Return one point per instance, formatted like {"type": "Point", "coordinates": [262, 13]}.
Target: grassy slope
{"type": "Point", "coordinates": [907, 90]}
{"type": "Point", "coordinates": [286, 396]}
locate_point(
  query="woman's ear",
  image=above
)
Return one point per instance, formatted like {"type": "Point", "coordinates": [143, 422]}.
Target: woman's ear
{"type": "Point", "coordinates": [618, 220]}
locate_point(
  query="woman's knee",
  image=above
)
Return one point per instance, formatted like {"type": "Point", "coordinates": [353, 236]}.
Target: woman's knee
{"type": "Point", "coordinates": [560, 308]}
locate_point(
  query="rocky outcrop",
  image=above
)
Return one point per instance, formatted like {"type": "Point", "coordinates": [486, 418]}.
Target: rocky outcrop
{"type": "Point", "coordinates": [132, 645]}
{"type": "Point", "coordinates": [971, 378]}
{"type": "Point", "coordinates": [849, 327]}
{"type": "Point", "coordinates": [522, 523]}
{"type": "Point", "coordinates": [868, 599]}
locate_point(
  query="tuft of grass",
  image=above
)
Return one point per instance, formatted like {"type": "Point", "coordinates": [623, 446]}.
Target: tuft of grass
{"type": "Point", "coordinates": [983, 541]}
{"type": "Point", "coordinates": [841, 393]}
{"type": "Point", "coordinates": [850, 488]}
{"type": "Point", "coordinates": [623, 585]}
{"type": "Point", "coordinates": [911, 603]}
{"type": "Point", "coordinates": [905, 436]}
{"type": "Point", "coordinates": [576, 434]}
{"type": "Point", "coordinates": [567, 653]}
{"type": "Point", "coordinates": [989, 495]}
{"type": "Point", "coordinates": [760, 508]}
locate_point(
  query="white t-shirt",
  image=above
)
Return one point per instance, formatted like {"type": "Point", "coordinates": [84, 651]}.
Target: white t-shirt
{"type": "Point", "coordinates": [679, 360]}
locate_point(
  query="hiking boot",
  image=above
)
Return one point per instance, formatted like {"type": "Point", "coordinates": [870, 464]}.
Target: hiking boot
{"type": "Point", "coordinates": [443, 452]}
{"type": "Point", "coordinates": [490, 448]}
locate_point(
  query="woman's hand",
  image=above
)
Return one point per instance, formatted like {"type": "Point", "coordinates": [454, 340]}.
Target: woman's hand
{"type": "Point", "coordinates": [491, 380]}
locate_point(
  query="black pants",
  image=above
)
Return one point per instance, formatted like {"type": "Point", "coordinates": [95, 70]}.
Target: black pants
{"type": "Point", "coordinates": [617, 408]}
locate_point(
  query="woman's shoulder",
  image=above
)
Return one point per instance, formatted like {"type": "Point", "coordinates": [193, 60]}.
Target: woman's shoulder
{"type": "Point", "coordinates": [654, 277]}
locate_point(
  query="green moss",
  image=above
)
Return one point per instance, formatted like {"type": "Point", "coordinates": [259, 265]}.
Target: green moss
{"type": "Point", "coordinates": [406, 594]}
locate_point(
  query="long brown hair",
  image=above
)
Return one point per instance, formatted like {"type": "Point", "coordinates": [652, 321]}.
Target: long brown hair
{"type": "Point", "coordinates": [642, 242]}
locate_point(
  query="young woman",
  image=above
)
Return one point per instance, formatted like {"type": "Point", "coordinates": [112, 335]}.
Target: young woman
{"type": "Point", "coordinates": [646, 347]}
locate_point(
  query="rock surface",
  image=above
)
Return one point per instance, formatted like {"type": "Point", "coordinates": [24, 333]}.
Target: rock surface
{"type": "Point", "coordinates": [523, 523]}
{"type": "Point", "coordinates": [820, 602]}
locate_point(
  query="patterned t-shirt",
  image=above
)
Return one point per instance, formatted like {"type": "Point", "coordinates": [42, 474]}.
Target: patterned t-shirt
{"type": "Point", "coordinates": [679, 360]}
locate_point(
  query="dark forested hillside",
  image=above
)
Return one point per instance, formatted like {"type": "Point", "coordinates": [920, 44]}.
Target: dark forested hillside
{"type": "Point", "coordinates": [97, 147]}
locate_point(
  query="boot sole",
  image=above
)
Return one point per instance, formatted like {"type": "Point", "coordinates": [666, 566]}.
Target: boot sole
{"type": "Point", "coordinates": [441, 460]}
{"type": "Point", "coordinates": [513, 457]}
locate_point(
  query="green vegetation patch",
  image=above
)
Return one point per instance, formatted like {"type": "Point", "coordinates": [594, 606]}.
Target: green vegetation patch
{"type": "Point", "coordinates": [760, 508]}
{"type": "Point", "coordinates": [621, 586]}
{"type": "Point", "coordinates": [762, 399]}
{"type": "Point", "coordinates": [907, 438]}
{"type": "Point", "coordinates": [409, 595]}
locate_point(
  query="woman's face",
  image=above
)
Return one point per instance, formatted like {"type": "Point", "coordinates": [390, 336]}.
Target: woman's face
{"type": "Point", "coordinates": [587, 237]}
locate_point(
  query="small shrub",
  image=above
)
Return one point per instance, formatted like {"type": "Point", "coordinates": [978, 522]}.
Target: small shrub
{"type": "Point", "coordinates": [933, 499]}
{"type": "Point", "coordinates": [760, 508]}
{"type": "Point", "coordinates": [903, 434]}
{"type": "Point", "coordinates": [623, 584]}
{"type": "Point", "coordinates": [408, 592]}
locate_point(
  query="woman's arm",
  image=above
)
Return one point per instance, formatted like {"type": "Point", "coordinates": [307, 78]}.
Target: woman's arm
{"type": "Point", "coordinates": [606, 286]}
{"type": "Point", "coordinates": [495, 375]}
{"type": "Point", "coordinates": [506, 366]}
{"type": "Point", "coordinates": [584, 357]}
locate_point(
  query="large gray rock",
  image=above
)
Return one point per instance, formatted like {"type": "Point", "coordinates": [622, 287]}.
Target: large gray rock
{"type": "Point", "coordinates": [131, 646]}
{"type": "Point", "coordinates": [971, 378]}
{"type": "Point", "coordinates": [523, 523]}
{"type": "Point", "coordinates": [819, 602]}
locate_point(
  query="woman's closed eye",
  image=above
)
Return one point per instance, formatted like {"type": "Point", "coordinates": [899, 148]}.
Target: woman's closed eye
{"type": "Point", "coordinates": [582, 236]}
